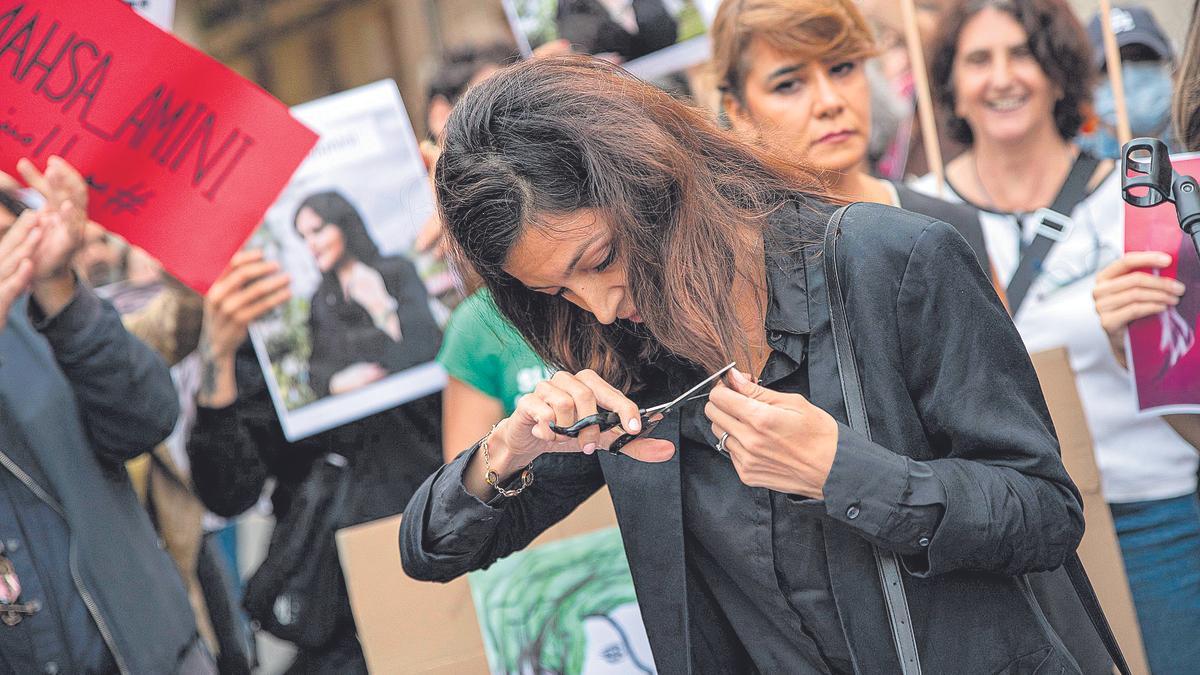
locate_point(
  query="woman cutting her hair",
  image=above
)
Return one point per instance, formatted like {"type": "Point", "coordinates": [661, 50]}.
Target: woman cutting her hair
{"type": "Point", "coordinates": [643, 256]}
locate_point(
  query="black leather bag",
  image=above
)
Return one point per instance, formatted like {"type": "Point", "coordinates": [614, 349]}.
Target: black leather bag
{"type": "Point", "coordinates": [297, 593]}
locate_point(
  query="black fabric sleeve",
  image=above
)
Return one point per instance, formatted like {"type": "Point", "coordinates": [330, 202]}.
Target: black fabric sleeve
{"type": "Point", "coordinates": [447, 532]}
{"type": "Point", "coordinates": [1010, 507]}
{"type": "Point", "coordinates": [232, 450]}
{"type": "Point", "coordinates": [422, 338]}
{"type": "Point", "coordinates": [893, 500]}
{"type": "Point", "coordinates": [124, 390]}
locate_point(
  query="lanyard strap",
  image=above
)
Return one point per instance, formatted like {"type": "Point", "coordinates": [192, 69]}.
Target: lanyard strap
{"type": "Point", "coordinates": [1054, 224]}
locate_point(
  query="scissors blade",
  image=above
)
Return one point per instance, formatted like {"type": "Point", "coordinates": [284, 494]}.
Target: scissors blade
{"type": "Point", "coordinates": [666, 407]}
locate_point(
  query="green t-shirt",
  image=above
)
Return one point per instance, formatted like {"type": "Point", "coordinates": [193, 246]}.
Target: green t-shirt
{"type": "Point", "coordinates": [483, 349]}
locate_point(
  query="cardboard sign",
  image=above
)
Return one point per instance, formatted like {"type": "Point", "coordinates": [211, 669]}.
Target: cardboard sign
{"type": "Point", "coordinates": [182, 155]}
{"type": "Point", "coordinates": [1161, 349]}
{"type": "Point", "coordinates": [445, 636]}
{"type": "Point", "coordinates": [361, 331]}
{"type": "Point", "coordinates": [160, 12]}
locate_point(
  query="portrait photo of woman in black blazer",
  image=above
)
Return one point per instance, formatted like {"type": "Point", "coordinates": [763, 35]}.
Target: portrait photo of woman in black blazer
{"type": "Point", "coordinates": [626, 29]}
{"type": "Point", "coordinates": [641, 256]}
{"type": "Point", "coordinates": [370, 314]}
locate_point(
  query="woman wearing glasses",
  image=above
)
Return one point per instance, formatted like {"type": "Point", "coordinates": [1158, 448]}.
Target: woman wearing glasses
{"type": "Point", "coordinates": [1014, 75]}
{"type": "Point", "coordinates": [641, 257]}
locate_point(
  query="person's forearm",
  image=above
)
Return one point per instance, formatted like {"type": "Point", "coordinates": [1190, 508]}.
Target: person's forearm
{"type": "Point", "coordinates": [474, 476]}
{"type": "Point", "coordinates": [218, 382]}
{"type": "Point", "coordinates": [123, 390]}
{"type": "Point", "coordinates": [53, 294]}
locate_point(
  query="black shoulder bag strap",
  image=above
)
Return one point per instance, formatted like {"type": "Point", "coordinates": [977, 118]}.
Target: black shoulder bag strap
{"type": "Point", "coordinates": [856, 414]}
{"type": "Point", "coordinates": [1091, 605]}
{"type": "Point", "coordinates": [1054, 224]}
{"type": "Point", "coordinates": [889, 566]}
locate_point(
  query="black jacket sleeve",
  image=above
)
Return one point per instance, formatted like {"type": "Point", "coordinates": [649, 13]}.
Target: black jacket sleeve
{"type": "Point", "coordinates": [989, 492]}
{"type": "Point", "coordinates": [447, 532]}
{"type": "Point", "coordinates": [1010, 507]}
{"type": "Point", "coordinates": [233, 450]}
{"type": "Point", "coordinates": [124, 390]}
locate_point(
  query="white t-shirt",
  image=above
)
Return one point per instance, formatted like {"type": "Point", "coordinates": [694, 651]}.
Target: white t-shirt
{"type": "Point", "coordinates": [1140, 458]}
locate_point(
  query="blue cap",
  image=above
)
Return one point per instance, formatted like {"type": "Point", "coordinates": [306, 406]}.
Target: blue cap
{"type": "Point", "coordinates": [1132, 26]}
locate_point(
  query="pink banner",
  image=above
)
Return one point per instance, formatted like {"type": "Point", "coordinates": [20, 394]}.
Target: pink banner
{"type": "Point", "coordinates": [1162, 348]}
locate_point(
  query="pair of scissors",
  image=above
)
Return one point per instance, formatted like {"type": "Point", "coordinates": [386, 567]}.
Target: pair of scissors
{"type": "Point", "coordinates": [606, 419]}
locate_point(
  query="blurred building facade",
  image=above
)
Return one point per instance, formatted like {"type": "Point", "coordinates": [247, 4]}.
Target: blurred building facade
{"type": "Point", "coordinates": [304, 49]}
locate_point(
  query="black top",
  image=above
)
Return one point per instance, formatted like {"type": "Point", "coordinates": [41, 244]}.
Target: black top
{"type": "Point", "coordinates": [955, 403]}
{"type": "Point", "coordinates": [344, 334]}
{"type": "Point", "coordinates": [234, 450]}
{"type": "Point", "coordinates": [964, 218]}
{"type": "Point", "coordinates": [760, 553]}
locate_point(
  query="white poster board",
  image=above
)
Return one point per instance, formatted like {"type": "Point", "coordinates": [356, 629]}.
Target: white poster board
{"type": "Point", "coordinates": [160, 12]}
{"type": "Point", "coordinates": [361, 331]}
{"type": "Point", "coordinates": [649, 38]}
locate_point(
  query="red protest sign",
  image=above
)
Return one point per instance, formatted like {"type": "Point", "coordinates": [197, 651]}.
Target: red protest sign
{"type": "Point", "coordinates": [183, 156]}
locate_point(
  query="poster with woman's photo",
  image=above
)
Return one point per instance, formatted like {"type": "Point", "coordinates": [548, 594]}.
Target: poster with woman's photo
{"type": "Point", "coordinates": [361, 331]}
{"type": "Point", "coordinates": [649, 38]}
{"type": "Point", "coordinates": [1161, 349]}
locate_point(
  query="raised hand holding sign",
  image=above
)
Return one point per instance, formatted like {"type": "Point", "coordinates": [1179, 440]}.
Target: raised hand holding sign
{"type": "Point", "coordinates": [165, 137]}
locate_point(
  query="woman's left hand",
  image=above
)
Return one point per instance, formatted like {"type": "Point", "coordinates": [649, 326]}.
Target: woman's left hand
{"type": "Point", "coordinates": [777, 441]}
{"type": "Point", "coordinates": [1124, 294]}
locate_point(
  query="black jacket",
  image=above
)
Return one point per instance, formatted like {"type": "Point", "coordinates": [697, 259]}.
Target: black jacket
{"type": "Point", "coordinates": [948, 383]}
{"type": "Point", "coordinates": [234, 450]}
{"type": "Point", "coordinates": [343, 333]}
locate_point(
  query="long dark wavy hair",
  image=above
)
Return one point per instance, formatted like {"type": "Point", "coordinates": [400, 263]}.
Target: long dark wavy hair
{"type": "Point", "coordinates": [554, 135]}
{"type": "Point", "coordinates": [335, 209]}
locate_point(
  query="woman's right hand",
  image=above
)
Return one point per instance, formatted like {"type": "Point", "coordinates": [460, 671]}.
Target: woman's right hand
{"type": "Point", "coordinates": [563, 400]}
{"type": "Point", "coordinates": [1124, 294]}
{"type": "Point", "coordinates": [249, 288]}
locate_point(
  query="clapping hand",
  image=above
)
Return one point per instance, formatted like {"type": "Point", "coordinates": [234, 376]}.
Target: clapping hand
{"type": "Point", "coordinates": [18, 242]}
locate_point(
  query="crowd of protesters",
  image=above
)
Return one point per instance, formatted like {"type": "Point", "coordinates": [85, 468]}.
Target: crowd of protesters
{"type": "Point", "coordinates": [617, 243]}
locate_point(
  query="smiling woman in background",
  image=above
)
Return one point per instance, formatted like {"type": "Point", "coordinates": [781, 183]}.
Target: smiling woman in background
{"type": "Point", "coordinates": [1014, 75]}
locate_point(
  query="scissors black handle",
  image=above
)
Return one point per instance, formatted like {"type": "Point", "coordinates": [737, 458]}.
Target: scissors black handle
{"type": "Point", "coordinates": [604, 419]}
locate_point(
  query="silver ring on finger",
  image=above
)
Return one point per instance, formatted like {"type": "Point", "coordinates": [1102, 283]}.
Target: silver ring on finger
{"type": "Point", "coordinates": [721, 444]}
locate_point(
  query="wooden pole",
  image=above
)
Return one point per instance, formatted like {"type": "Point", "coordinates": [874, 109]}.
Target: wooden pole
{"type": "Point", "coordinates": [1112, 57]}
{"type": "Point", "coordinates": [916, 57]}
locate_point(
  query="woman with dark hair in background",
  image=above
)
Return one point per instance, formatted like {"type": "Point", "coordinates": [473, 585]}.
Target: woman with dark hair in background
{"type": "Point", "coordinates": [370, 315]}
{"type": "Point", "coordinates": [640, 257]}
{"type": "Point", "coordinates": [792, 77]}
{"type": "Point", "coordinates": [1014, 75]}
